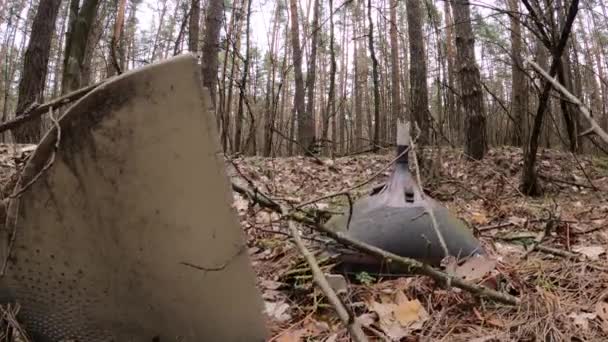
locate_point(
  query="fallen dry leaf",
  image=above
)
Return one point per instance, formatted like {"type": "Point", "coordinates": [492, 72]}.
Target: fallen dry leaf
{"type": "Point", "coordinates": [475, 268]}
{"type": "Point", "coordinates": [271, 284]}
{"type": "Point", "coordinates": [518, 221]}
{"type": "Point", "coordinates": [582, 319]}
{"type": "Point", "coordinates": [367, 319]}
{"type": "Point", "coordinates": [278, 311]}
{"type": "Point", "coordinates": [591, 252]}
{"type": "Point", "coordinates": [337, 282]}
{"type": "Point", "coordinates": [411, 314]}
{"type": "Point", "coordinates": [240, 204]}
{"type": "Point", "coordinates": [398, 319]}
{"type": "Point", "coordinates": [479, 218]}
{"type": "Point", "coordinates": [601, 310]}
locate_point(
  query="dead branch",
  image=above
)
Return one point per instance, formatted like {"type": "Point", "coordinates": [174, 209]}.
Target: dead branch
{"type": "Point", "coordinates": [18, 191]}
{"type": "Point", "coordinates": [584, 110]}
{"type": "Point", "coordinates": [35, 110]}
{"type": "Point", "coordinates": [419, 267]}
{"type": "Point", "coordinates": [562, 181]}
{"type": "Point", "coordinates": [426, 206]}
{"type": "Point", "coordinates": [8, 316]}
{"type": "Point", "coordinates": [412, 264]}
{"type": "Point", "coordinates": [256, 197]}
{"type": "Point", "coordinates": [353, 326]}
{"type": "Point", "coordinates": [549, 226]}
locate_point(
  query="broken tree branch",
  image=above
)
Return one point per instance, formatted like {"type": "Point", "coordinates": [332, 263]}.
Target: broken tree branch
{"type": "Point", "coordinates": [427, 208]}
{"type": "Point", "coordinates": [353, 326]}
{"type": "Point", "coordinates": [412, 264]}
{"type": "Point", "coordinates": [419, 267]}
{"type": "Point", "coordinates": [38, 110]}
{"type": "Point", "coordinates": [584, 110]}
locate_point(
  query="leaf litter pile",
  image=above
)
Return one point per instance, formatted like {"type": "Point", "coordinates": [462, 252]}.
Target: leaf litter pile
{"type": "Point", "coordinates": [549, 251]}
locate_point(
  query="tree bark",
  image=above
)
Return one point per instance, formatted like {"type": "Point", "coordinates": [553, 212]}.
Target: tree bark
{"type": "Point", "coordinates": [59, 51]}
{"type": "Point", "coordinates": [270, 101]}
{"type": "Point", "coordinates": [518, 81]}
{"type": "Point", "coordinates": [529, 182]}
{"type": "Point", "coordinates": [330, 111]}
{"type": "Point", "coordinates": [454, 118]}
{"type": "Point", "coordinates": [305, 120]}
{"type": "Point", "coordinates": [470, 82]}
{"type": "Point", "coordinates": [395, 72]}
{"type": "Point", "coordinates": [360, 75]}
{"type": "Point", "coordinates": [372, 52]}
{"type": "Point", "coordinates": [238, 122]}
{"type": "Point", "coordinates": [193, 27]}
{"type": "Point", "coordinates": [76, 43]}
{"type": "Point", "coordinates": [311, 72]}
{"type": "Point", "coordinates": [117, 53]}
{"type": "Point", "coordinates": [209, 65]}
{"type": "Point", "coordinates": [419, 97]}
{"type": "Point", "coordinates": [35, 64]}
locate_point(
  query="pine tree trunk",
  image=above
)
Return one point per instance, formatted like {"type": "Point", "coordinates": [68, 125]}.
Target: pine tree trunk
{"type": "Point", "coordinates": [78, 35]}
{"type": "Point", "coordinates": [372, 52]}
{"type": "Point", "coordinates": [210, 50]}
{"type": "Point", "coordinates": [59, 52]}
{"type": "Point", "coordinates": [35, 64]}
{"type": "Point", "coordinates": [360, 76]}
{"type": "Point", "coordinates": [330, 111]}
{"type": "Point", "coordinates": [311, 72]}
{"type": "Point", "coordinates": [238, 122]}
{"type": "Point", "coordinates": [470, 82]}
{"type": "Point", "coordinates": [454, 118]}
{"type": "Point", "coordinates": [529, 182]}
{"type": "Point", "coordinates": [395, 72]}
{"type": "Point", "coordinates": [419, 97]}
{"type": "Point", "coordinates": [95, 34]}
{"type": "Point", "coordinates": [225, 98]}
{"type": "Point", "coordinates": [270, 101]}
{"type": "Point", "coordinates": [304, 119]}
{"type": "Point", "coordinates": [117, 51]}
{"type": "Point", "coordinates": [193, 27]}
{"type": "Point", "coordinates": [518, 81]}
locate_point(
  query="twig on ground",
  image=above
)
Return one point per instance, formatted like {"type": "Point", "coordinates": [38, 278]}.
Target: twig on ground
{"type": "Point", "coordinates": [578, 162]}
{"type": "Point", "coordinates": [425, 204]}
{"type": "Point", "coordinates": [9, 314]}
{"type": "Point", "coordinates": [569, 255]}
{"type": "Point", "coordinates": [495, 226]}
{"type": "Point", "coordinates": [353, 326]}
{"type": "Point", "coordinates": [419, 267]}
{"type": "Point", "coordinates": [549, 225]}
{"type": "Point", "coordinates": [583, 108]}
{"type": "Point", "coordinates": [591, 230]}
{"type": "Point", "coordinates": [412, 264]}
{"type": "Point", "coordinates": [556, 180]}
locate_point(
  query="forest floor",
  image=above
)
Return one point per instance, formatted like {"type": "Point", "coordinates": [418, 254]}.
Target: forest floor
{"type": "Point", "coordinates": [563, 297]}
